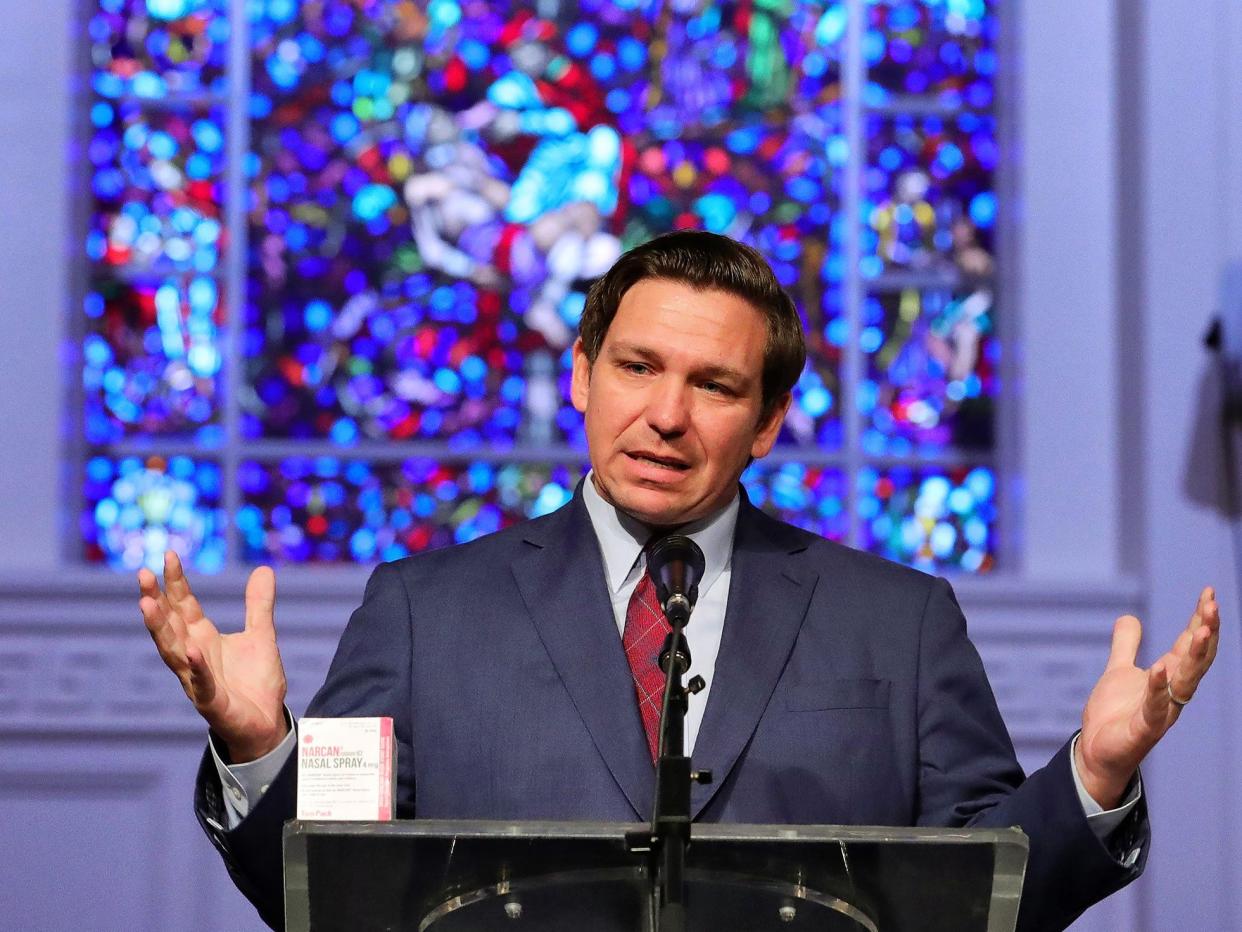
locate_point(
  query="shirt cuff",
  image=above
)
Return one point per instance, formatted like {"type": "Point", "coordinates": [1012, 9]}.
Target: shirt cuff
{"type": "Point", "coordinates": [245, 784]}
{"type": "Point", "coordinates": [1103, 821]}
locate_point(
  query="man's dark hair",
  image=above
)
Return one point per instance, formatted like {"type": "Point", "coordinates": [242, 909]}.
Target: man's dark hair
{"type": "Point", "coordinates": [706, 262]}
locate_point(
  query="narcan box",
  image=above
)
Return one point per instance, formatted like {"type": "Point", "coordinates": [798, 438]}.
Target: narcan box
{"type": "Point", "coordinates": [346, 769]}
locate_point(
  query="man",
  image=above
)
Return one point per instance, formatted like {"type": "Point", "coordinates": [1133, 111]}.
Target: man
{"type": "Point", "coordinates": [841, 688]}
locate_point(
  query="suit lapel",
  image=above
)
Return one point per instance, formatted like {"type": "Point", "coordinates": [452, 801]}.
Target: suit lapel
{"type": "Point", "coordinates": [768, 598]}
{"type": "Point", "coordinates": [561, 579]}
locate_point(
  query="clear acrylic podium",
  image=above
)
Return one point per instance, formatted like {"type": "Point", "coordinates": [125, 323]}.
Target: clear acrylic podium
{"type": "Point", "coordinates": [428, 876]}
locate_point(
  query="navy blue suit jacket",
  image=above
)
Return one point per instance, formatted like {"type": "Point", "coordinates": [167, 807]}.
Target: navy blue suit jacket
{"type": "Point", "coordinates": [845, 692]}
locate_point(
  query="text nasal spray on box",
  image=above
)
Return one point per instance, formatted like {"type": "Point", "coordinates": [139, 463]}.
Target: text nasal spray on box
{"type": "Point", "coordinates": [346, 769]}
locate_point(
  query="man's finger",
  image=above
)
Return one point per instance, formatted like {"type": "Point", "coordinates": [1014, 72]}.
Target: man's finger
{"type": "Point", "coordinates": [1204, 605]}
{"type": "Point", "coordinates": [178, 589]}
{"type": "Point", "coordinates": [202, 682]}
{"type": "Point", "coordinates": [149, 588]}
{"type": "Point", "coordinates": [1127, 633]}
{"type": "Point", "coordinates": [149, 585]}
{"type": "Point", "coordinates": [1209, 616]}
{"type": "Point", "coordinates": [1199, 643]}
{"type": "Point", "coordinates": [1156, 703]}
{"type": "Point", "coordinates": [1180, 651]}
{"type": "Point", "coordinates": [1213, 642]}
{"type": "Point", "coordinates": [1190, 669]}
{"type": "Point", "coordinates": [261, 602]}
{"type": "Point", "coordinates": [168, 640]}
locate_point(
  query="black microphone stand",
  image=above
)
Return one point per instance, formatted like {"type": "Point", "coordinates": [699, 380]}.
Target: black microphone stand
{"type": "Point", "coordinates": [666, 840]}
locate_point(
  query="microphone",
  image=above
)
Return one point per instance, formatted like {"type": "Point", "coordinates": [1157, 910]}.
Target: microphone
{"type": "Point", "coordinates": [675, 564]}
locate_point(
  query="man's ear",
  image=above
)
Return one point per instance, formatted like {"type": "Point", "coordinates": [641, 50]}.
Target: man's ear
{"type": "Point", "coordinates": [770, 427]}
{"type": "Point", "coordinates": [580, 383]}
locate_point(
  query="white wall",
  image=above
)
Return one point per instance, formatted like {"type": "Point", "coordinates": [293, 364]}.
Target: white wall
{"type": "Point", "coordinates": [36, 97]}
{"type": "Point", "coordinates": [1191, 193]}
{"type": "Point", "coordinates": [1067, 289]}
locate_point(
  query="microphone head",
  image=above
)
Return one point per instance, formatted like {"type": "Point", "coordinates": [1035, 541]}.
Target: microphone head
{"type": "Point", "coordinates": [676, 564]}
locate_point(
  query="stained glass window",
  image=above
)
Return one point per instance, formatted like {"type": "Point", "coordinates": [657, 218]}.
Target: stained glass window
{"type": "Point", "coordinates": [338, 251]}
{"type": "Point", "coordinates": [138, 507]}
{"type": "Point", "coordinates": [327, 509]}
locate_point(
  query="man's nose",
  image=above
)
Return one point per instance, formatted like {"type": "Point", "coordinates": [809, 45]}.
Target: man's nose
{"type": "Point", "coordinates": [668, 408]}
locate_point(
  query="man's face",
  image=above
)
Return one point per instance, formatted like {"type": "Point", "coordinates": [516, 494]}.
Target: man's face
{"type": "Point", "coordinates": [673, 401]}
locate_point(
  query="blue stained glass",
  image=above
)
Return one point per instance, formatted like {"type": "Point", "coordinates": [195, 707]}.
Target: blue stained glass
{"type": "Point", "coordinates": [581, 38]}
{"type": "Point", "coordinates": [384, 512]}
{"type": "Point", "coordinates": [810, 497]}
{"type": "Point", "coordinates": [933, 374]}
{"type": "Point", "coordinates": [135, 509]}
{"type": "Point", "coordinates": [983, 209]}
{"type": "Point", "coordinates": [631, 53]}
{"type": "Point", "coordinates": [831, 26]}
{"type": "Point", "coordinates": [571, 119]}
{"type": "Point", "coordinates": [101, 114]}
{"type": "Point", "coordinates": [158, 191]}
{"type": "Point", "coordinates": [452, 336]}
{"type": "Point", "coordinates": [946, 50]}
{"type": "Point", "coordinates": [926, 176]}
{"type": "Point", "coordinates": [931, 519]}
{"type": "Point", "coordinates": [151, 48]}
{"type": "Point", "coordinates": [151, 364]}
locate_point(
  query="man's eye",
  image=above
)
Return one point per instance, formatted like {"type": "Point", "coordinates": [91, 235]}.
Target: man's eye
{"type": "Point", "coordinates": [715, 388]}
{"type": "Point", "coordinates": [637, 368]}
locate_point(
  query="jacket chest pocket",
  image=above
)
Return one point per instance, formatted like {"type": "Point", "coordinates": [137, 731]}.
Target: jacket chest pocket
{"type": "Point", "coordinates": [835, 694]}
{"type": "Point", "coordinates": [825, 752]}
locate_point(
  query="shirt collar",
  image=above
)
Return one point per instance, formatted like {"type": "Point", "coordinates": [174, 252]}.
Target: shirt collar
{"type": "Point", "coordinates": [622, 538]}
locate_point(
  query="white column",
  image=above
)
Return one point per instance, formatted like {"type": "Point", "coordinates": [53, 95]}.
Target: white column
{"type": "Point", "coordinates": [37, 250]}
{"type": "Point", "coordinates": [1066, 220]}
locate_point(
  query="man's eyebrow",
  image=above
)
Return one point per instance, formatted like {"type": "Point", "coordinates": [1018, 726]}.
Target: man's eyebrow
{"type": "Point", "coordinates": [633, 349]}
{"type": "Point", "coordinates": [646, 353]}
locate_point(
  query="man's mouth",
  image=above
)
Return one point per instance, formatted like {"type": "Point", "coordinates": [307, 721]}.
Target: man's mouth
{"type": "Point", "coordinates": [663, 462]}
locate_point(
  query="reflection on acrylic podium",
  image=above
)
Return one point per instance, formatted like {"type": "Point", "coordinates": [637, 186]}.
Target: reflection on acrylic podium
{"type": "Point", "coordinates": [553, 876]}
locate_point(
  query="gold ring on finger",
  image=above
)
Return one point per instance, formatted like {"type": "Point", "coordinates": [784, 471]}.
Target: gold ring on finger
{"type": "Point", "coordinates": [1180, 703]}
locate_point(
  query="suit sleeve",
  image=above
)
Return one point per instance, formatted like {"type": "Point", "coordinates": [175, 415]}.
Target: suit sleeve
{"type": "Point", "coordinates": [369, 676]}
{"type": "Point", "coordinates": [969, 776]}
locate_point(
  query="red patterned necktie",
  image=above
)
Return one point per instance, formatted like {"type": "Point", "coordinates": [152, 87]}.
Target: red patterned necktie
{"type": "Point", "coordinates": [643, 637]}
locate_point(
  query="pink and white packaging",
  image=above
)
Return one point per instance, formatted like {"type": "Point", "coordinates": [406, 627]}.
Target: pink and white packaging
{"type": "Point", "coordinates": [347, 769]}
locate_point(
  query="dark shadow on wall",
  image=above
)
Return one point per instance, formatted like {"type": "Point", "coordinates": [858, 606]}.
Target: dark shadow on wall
{"type": "Point", "coordinates": [1210, 473]}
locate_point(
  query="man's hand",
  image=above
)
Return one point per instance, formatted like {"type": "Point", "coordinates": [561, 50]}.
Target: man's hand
{"type": "Point", "coordinates": [236, 681]}
{"type": "Point", "coordinates": [1130, 709]}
